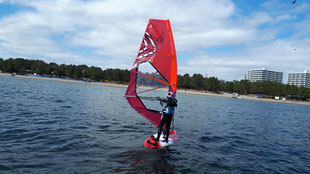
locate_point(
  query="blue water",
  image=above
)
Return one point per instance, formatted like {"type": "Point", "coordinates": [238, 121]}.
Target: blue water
{"type": "Point", "coordinates": [57, 127]}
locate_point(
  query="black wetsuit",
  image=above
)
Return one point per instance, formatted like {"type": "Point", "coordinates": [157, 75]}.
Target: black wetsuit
{"type": "Point", "coordinates": [167, 117]}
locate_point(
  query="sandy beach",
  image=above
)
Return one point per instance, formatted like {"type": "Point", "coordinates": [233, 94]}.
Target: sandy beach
{"type": "Point", "coordinates": [190, 92]}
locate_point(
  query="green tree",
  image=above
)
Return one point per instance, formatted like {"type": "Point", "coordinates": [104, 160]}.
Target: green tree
{"type": "Point", "coordinates": [213, 84]}
{"type": "Point", "coordinates": [229, 87]}
{"type": "Point", "coordinates": [60, 70]}
{"type": "Point", "coordinates": [245, 87]}
{"type": "Point", "coordinates": [197, 81]}
{"type": "Point", "coordinates": [187, 81]}
{"type": "Point", "coordinates": [1, 64]}
{"type": "Point", "coordinates": [52, 67]}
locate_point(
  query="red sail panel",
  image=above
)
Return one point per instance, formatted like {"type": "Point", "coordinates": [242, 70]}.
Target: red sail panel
{"type": "Point", "coordinates": [157, 48]}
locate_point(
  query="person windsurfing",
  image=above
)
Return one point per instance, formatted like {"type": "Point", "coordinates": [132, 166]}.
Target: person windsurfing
{"type": "Point", "coordinates": [167, 115]}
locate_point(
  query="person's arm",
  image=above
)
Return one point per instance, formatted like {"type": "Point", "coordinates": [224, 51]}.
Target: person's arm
{"type": "Point", "coordinates": [162, 101]}
{"type": "Point", "coordinates": [175, 102]}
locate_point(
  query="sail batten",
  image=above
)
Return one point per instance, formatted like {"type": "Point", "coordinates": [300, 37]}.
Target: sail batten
{"type": "Point", "coordinates": [164, 53]}
{"type": "Point", "coordinates": [157, 54]}
{"type": "Point", "coordinates": [153, 78]}
{"type": "Point", "coordinates": [150, 89]}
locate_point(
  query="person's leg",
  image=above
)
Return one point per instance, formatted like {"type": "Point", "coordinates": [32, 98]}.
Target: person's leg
{"type": "Point", "coordinates": [168, 123]}
{"type": "Point", "coordinates": [161, 124]}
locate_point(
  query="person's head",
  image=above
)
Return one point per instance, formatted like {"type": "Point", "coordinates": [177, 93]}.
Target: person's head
{"type": "Point", "coordinates": [170, 94]}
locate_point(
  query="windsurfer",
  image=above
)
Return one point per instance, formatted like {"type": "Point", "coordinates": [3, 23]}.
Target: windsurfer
{"type": "Point", "coordinates": [167, 115]}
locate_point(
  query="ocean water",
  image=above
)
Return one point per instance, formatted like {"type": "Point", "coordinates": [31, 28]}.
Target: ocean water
{"type": "Point", "coordinates": [56, 127]}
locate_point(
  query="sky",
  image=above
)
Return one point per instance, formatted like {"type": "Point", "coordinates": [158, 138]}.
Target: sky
{"type": "Point", "coordinates": [220, 38]}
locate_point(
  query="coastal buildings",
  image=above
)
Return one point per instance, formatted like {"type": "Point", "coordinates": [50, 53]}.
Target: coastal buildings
{"type": "Point", "coordinates": [299, 79]}
{"type": "Point", "coordinates": [264, 75]}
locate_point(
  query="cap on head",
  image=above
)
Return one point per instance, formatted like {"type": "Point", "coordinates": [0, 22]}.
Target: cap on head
{"type": "Point", "coordinates": [170, 94]}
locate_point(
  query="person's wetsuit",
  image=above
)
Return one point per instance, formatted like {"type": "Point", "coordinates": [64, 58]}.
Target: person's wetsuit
{"type": "Point", "coordinates": [167, 117]}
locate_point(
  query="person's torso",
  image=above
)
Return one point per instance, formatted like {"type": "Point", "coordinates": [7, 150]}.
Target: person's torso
{"type": "Point", "coordinates": [171, 103]}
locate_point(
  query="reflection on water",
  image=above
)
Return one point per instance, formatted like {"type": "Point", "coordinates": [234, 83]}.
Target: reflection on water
{"type": "Point", "coordinates": [144, 161]}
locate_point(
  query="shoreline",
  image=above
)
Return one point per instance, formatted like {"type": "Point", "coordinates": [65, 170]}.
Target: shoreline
{"type": "Point", "coordinates": [244, 97]}
{"type": "Point", "coordinates": [189, 92]}
{"type": "Point", "coordinates": [65, 80]}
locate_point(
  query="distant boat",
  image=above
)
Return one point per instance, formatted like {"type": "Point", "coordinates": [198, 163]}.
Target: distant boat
{"type": "Point", "coordinates": [236, 95]}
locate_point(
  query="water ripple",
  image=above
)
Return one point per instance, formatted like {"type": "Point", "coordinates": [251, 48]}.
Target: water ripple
{"type": "Point", "coordinates": [51, 127]}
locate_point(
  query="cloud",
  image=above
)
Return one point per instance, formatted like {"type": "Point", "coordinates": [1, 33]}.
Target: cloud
{"type": "Point", "coordinates": [277, 55]}
{"type": "Point", "coordinates": [113, 28]}
{"type": "Point", "coordinates": [108, 33]}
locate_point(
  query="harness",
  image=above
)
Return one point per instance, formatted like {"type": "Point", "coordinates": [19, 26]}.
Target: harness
{"type": "Point", "coordinates": [169, 110]}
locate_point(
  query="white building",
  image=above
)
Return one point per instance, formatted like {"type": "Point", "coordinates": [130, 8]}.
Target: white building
{"type": "Point", "coordinates": [299, 79]}
{"type": "Point", "coordinates": [264, 75]}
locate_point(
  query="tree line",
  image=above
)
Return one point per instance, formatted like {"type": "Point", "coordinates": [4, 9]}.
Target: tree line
{"type": "Point", "coordinates": [186, 81]}
{"type": "Point", "coordinates": [266, 89]}
{"type": "Point", "coordinates": [82, 72]}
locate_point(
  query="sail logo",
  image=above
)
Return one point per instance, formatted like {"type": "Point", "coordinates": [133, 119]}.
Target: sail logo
{"type": "Point", "coordinates": [160, 38]}
{"type": "Point", "coordinates": [148, 47]}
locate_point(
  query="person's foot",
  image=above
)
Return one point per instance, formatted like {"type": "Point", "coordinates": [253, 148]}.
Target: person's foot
{"type": "Point", "coordinates": [154, 144]}
{"type": "Point", "coordinates": [153, 138]}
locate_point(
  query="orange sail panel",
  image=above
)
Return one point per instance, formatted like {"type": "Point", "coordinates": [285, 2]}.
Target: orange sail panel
{"type": "Point", "coordinates": [154, 71]}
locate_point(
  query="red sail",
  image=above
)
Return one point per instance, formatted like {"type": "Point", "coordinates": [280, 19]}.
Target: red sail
{"type": "Point", "coordinates": [158, 52]}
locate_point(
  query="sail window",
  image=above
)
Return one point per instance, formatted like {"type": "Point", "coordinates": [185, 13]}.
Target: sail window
{"type": "Point", "coordinates": [150, 86]}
